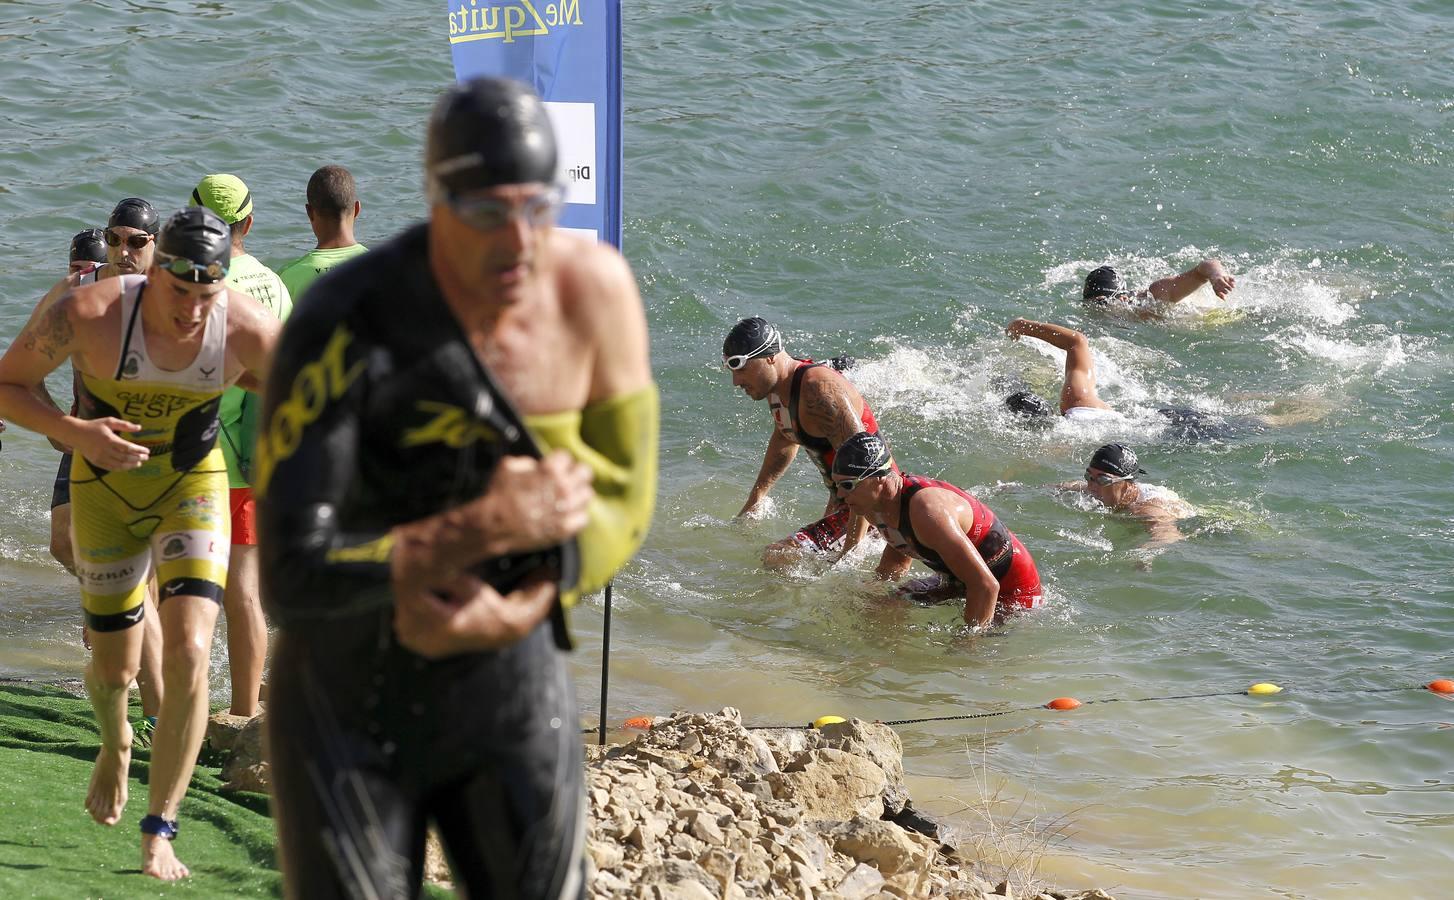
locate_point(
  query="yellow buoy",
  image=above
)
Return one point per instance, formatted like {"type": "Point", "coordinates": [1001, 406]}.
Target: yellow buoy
{"type": "Point", "coordinates": [827, 720]}
{"type": "Point", "coordinates": [1264, 687]}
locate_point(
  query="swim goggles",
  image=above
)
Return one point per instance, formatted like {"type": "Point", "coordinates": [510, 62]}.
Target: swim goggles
{"type": "Point", "coordinates": [489, 213]}
{"type": "Point", "coordinates": [182, 267]}
{"type": "Point", "coordinates": [134, 241]}
{"type": "Point", "coordinates": [1103, 479]}
{"type": "Point", "coordinates": [848, 484]}
{"type": "Point", "coordinates": [737, 361]}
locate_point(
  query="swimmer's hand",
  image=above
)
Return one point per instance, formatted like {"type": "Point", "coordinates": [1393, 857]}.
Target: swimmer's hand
{"type": "Point", "coordinates": [530, 504]}
{"type": "Point", "coordinates": [1016, 328]}
{"type": "Point", "coordinates": [1222, 283]}
{"type": "Point", "coordinates": [465, 615]}
{"type": "Point", "coordinates": [100, 441]}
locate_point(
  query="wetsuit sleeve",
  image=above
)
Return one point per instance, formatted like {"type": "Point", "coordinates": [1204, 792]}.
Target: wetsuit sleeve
{"type": "Point", "coordinates": [313, 565]}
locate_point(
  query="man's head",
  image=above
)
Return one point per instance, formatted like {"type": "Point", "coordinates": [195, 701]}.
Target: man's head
{"type": "Point", "coordinates": [1111, 472]}
{"type": "Point", "coordinates": [862, 466]}
{"type": "Point", "coordinates": [230, 199]}
{"type": "Point", "coordinates": [490, 176]}
{"type": "Point", "coordinates": [1029, 406]}
{"type": "Point", "coordinates": [1104, 285]}
{"type": "Point", "coordinates": [192, 256]}
{"type": "Point", "coordinates": [87, 249]}
{"type": "Point", "coordinates": [749, 353]}
{"type": "Point", "coordinates": [332, 195]}
{"type": "Point", "coordinates": [131, 235]}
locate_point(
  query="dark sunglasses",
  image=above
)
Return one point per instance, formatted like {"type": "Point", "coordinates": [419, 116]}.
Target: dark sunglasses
{"type": "Point", "coordinates": [182, 267]}
{"type": "Point", "coordinates": [488, 213]}
{"type": "Point", "coordinates": [135, 241]}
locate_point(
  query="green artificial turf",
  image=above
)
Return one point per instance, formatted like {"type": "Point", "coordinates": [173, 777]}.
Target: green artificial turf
{"type": "Point", "coordinates": [49, 847]}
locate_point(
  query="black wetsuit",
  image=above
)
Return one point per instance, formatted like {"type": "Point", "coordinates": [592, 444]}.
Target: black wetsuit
{"type": "Point", "coordinates": [379, 413]}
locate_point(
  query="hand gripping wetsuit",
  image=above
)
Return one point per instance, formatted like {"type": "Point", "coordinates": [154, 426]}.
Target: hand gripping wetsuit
{"type": "Point", "coordinates": [1006, 557]}
{"type": "Point", "coordinates": [174, 506]}
{"type": "Point", "coordinates": [379, 413]}
{"type": "Point", "coordinates": [827, 533]}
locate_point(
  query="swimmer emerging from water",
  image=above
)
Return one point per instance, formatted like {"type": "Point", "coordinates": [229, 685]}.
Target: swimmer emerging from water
{"type": "Point", "coordinates": [813, 406]}
{"type": "Point", "coordinates": [976, 557]}
{"type": "Point", "coordinates": [1111, 477]}
{"type": "Point", "coordinates": [1104, 287]}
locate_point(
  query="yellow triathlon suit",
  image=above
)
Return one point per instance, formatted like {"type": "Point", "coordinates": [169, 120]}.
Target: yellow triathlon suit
{"type": "Point", "coordinates": [174, 507]}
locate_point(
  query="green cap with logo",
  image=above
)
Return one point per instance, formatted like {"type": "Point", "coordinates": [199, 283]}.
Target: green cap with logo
{"type": "Point", "coordinates": [225, 195]}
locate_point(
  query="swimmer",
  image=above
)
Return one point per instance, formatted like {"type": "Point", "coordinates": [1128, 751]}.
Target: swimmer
{"type": "Point", "coordinates": [812, 406]}
{"type": "Point", "coordinates": [1080, 402]}
{"type": "Point", "coordinates": [247, 629]}
{"type": "Point", "coordinates": [332, 209]}
{"type": "Point", "coordinates": [1105, 288]}
{"type": "Point", "coordinates": [1112, 476]}
{"type": "Point", "coordinates": [978, 559]}
{"type": "Point", "coordinates": [88, 251]}
{"type": "Point", "coordinates": [148, 488]}
{"type": "Point", "coordinates": [459, 437]}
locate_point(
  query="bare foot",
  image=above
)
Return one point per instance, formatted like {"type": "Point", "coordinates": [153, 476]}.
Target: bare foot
{"type": "Point", "coordinates": [159, 860]}
{"type": "Point", "coordinates": [106, 797]}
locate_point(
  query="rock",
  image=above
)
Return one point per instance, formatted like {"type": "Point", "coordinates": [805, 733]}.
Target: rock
{"type": "Point", "coordinates": [606, 855]}
{"type": "Point", "coordinates": [831, 785]}
{"type": "Point", "coordinates": [879, 744]}
{"type": "Point", "coordinates": [704, 828]}
{"type": "Point", "coordinates": [1003, 889]}
{"type": "Point", "coordinates": [884, 844]}
{"type": "Point", "coordinates": [222, 731]}
{"type": "Point", "coordinates": [247, 767]}
{"type": "Point", "coordinates": [861, 882]}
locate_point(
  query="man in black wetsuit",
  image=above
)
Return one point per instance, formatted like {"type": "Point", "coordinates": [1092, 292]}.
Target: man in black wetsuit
{"type": "Point", "coordinates": [461, 440]}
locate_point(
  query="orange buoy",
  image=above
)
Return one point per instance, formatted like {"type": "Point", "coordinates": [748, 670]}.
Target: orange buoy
{"type": "Point", "coordinates": [1441, 686]}
{"type": "Point", "coordinates": [641, 722]}
{"type": "Point", "coordinates": [1063, 703]}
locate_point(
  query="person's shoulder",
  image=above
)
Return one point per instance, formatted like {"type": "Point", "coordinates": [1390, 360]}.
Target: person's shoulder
{"type": "Point", "coordinates": [368, 284]}
{"type": "Point", "coordinates": [95, 299]}
{"type": "Point", "coordinates": [589, 268]}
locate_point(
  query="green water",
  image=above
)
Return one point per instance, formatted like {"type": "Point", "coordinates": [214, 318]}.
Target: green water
{"type": "Point", "coordinates": [898, 182]}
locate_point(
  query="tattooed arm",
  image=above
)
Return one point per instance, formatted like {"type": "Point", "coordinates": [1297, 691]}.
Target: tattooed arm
{"type": "Point", "coordinates": [48, 340]}
{"type": "Point", "coordinates": [829, 406]}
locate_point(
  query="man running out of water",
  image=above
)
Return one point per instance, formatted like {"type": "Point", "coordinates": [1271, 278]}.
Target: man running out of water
{"type": "Point", "coordinates": [814, 406]}
{"type": "Point", "coordinates": [978, 559]}
{"type": "Point", "coordinates": [153, 354]}
{"type": "Point", "coordinates": [458, 439]}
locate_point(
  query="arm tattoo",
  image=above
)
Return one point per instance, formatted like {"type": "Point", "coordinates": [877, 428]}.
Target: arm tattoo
{"type": "Point", "coordinates": [52, 334]}
{"type": "Point", "coordinates": [830, 408]}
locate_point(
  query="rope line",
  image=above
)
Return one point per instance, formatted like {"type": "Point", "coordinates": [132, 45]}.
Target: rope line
{"type": "Point", "coordinates": [1440, 687]}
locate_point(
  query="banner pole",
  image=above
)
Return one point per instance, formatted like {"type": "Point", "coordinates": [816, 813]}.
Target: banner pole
{"type": "Point", "coordinates": [605, 660]}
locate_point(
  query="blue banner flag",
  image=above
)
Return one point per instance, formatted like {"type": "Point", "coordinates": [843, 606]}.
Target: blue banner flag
{"type": "Point", "coordinates": [570, 51]}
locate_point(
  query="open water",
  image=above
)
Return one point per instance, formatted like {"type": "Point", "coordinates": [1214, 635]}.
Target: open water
{"type": "Point", "coordinates": [898, 181]}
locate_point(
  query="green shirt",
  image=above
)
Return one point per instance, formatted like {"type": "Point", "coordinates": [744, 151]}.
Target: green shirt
{"type": "Point", "coordinates": [306, 269]}
{"type": "Point", "coordinates": [239, 409]}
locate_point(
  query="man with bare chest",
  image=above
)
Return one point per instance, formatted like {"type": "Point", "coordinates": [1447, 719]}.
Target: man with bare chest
{"type": "Point", "coordinates": [460, 441]}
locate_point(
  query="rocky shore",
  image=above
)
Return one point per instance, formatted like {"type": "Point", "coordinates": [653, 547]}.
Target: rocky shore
{"type": "Point", "coordinates": [701, 808]}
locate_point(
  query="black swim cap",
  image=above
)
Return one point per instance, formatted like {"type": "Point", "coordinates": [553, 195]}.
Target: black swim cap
{"type": "Point", "coordinates": [486, 132]}
{"type": "Point", "coordinates": [1029, 405]}
{"type": "Point", "coordinates": [861, 454]}
{"type": "Point", "coordinates": [1118, 459]}
{"type": "Point", "coordinates": [1102, 284]}
{"type": "Point", "coordinates": [134, 212]}
{"type": "Point", "coordinates": [195, 235]}
{"type": "Point", "coordinates": [89, 245]}
{"type": "Point", "coordinates": [753, 337]}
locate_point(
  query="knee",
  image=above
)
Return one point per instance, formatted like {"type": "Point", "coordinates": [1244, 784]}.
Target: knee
{"type": "Point", "coordinates": [185, 658]}
{"type": "Point", "coordinates": [781, 555]}
{"type": "Point", "coordinates": [115, 675]}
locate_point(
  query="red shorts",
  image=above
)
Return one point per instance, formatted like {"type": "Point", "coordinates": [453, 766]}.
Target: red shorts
{"type": "Point", "coordinates": [1021, 585]}
{"type": "Point", "coordinates": [826, 534]}
{"type": "Point", "coordinates": [244, 517]}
